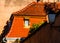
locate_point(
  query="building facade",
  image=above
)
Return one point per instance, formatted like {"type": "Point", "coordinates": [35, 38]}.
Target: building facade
{"type": "Point", "coordinates": [24, 19]}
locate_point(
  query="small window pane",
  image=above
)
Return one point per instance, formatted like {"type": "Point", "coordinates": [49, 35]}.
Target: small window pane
{"type": "Point", "coordinates": [26, 22]}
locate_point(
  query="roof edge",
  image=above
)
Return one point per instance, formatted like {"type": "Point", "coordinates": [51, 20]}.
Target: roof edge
{"type": "Point", "coordinates": [25, 7]}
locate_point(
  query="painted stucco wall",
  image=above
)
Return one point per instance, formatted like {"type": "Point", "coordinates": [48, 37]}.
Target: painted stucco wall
{"type": "Point", "coordinates": [37, 20]}
{"type": "Point", "coordinates": [17, 29]}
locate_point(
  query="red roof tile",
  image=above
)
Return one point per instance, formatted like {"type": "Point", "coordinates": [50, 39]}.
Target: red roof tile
{"type": "Point", "coordinates": [33, 9]}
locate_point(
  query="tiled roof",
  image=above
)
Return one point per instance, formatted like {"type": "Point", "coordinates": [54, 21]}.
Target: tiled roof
{"type": "Point", "coordinates": [33, 9]}
{"type": "Point", "coordinates": [58, 4]}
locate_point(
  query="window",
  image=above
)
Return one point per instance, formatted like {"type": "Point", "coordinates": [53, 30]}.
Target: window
{"type": "Point", "coordinates": [26, 22]}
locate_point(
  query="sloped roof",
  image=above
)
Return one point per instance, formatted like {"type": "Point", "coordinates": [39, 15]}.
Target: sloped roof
{"type": "Point", "coordinates": [34, 9]}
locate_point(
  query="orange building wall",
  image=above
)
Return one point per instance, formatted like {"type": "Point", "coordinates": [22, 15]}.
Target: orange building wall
{"type": "Point", "coordinates": [17, 28]}
{"type": "Point", "coordinates": [36, 20]}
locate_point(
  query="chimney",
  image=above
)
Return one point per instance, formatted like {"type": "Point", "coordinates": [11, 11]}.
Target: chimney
{"type": "Point", "coordinates": [38, 0]}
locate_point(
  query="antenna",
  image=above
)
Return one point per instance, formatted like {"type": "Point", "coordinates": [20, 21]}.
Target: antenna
{"type": "Point", "coordinates": [38, 0]}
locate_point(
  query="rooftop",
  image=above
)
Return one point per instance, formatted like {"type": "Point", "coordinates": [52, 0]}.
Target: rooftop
{"type": "Point", "coordinates": [32, 9]}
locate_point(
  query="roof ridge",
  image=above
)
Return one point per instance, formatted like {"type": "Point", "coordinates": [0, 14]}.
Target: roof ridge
{"type": "Point", "coordinates": [32, 9]}
{"type": "Point", "coordinates": [25, 7]}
